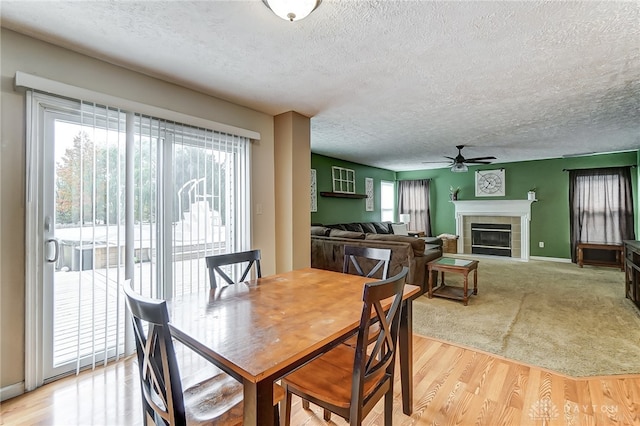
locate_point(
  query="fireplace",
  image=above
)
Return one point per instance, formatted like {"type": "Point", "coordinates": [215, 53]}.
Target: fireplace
{"type": "Point", "coordinates": [491, 238]}
{"type": "Point", "coordinates": [517, 213]}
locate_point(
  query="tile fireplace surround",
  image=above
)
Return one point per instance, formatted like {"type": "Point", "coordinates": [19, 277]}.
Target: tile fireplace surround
{"type": "Point", "coordinates": [514, 212]}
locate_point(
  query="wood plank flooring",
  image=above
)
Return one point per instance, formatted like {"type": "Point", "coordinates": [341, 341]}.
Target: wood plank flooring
{"type": "Point", "coordinates": [453, 385]}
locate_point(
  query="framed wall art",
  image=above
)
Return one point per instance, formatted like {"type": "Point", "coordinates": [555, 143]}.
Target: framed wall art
{"type": "Point", "coordinates": [314, 192]}
{"type": "Point", "coordinates": [368, 186]}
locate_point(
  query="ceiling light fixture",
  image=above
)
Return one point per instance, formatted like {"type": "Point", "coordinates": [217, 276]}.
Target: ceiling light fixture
{"type": "Point", "coordinates": [459, 168]}
{"type": "Point", "coordinates": [292, 10]}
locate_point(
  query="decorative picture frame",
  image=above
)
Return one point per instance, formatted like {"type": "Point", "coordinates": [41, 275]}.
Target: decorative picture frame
{"type": "Point", "coordinates": [490, 183]}
{"type": "Point", "coordinates": [369, 202]}
{"type": "Point", "coordinates": [344, 180]}
{"type": "Point", "coordinates": [314, 192]}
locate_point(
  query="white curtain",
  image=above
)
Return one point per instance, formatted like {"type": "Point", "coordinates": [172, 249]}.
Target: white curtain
{"type": "Point", "coordinates": [413, 199]}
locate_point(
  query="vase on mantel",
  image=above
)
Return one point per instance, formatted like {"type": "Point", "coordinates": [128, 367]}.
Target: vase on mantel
{"type": "Point", "coordinates": [531, 195]}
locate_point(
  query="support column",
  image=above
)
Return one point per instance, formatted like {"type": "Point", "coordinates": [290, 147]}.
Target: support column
{"type": "Point", "coordinates": [292, 145]}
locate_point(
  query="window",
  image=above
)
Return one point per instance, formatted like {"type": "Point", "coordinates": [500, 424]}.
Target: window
{"type": "Point", "coordinates": [387, 203]}
{"type": "Point", "coordinates": [601, 206]}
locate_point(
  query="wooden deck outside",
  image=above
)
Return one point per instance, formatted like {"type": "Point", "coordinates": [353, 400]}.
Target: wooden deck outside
{"type": "Point", "coordinates": [89, 307]}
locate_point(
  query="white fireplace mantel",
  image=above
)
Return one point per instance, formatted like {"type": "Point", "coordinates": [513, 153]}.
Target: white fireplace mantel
{"type": "Point", "coordinates": [520, 208]}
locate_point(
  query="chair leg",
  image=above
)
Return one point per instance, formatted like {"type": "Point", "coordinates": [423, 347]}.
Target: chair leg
{"type": "Point", "coordinates": [286, 407]}
{"type": "Point", "coordinates": [388, 408]}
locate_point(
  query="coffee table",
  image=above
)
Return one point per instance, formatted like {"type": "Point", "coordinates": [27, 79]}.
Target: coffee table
{"type": "Point", "coordinates": [458, 266]}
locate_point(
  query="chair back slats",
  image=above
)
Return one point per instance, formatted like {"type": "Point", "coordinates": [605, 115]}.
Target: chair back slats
{"type": "Point", "coordinates": [377, 363]}
{"type": "Point", "coordinates": [352, 254]}
{"type": "Point", "coordinates": [216, 262]}
{"type": "Point", "coordinates": [157, 363]}
{"type": "Point", "coordinates": [349, 380]}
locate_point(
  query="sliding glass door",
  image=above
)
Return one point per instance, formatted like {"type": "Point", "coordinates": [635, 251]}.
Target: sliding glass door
{"type": "Point", "coordinates": [120, 195]}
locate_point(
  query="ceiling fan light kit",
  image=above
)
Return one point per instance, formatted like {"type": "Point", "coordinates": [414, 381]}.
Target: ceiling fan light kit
{"type": "Point", "coordinates": [459, 168]}
{"type": "Point", "coordinates": [292, 10]}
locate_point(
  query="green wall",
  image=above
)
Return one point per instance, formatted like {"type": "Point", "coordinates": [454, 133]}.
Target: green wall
{"type": "Point", "coordinates": [344, 210]}
{"type": "Point", "coordinates": [549, 215]}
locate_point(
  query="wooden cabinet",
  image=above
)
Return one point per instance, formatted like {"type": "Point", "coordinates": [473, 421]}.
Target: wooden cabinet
{"type": "Point", "coordinates": [632, 270]}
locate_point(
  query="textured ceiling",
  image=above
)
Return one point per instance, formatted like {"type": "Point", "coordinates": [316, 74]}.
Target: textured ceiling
{"type": "Point", "coordinates": [390, 84]}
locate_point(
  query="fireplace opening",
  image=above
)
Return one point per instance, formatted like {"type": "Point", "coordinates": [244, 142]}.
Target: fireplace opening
{"type": "Point", "coordinates": [491, 238]}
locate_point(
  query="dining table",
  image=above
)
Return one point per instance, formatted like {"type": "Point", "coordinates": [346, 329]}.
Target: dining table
{"type": "Point", "coordinates": [260, 330]}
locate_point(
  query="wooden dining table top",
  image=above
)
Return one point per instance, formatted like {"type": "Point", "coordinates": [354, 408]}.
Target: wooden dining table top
{"type": "Point", "coordinates": [258, 329]}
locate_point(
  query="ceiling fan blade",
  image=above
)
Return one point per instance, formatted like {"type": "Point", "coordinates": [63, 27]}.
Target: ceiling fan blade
{"type": "Point", "coordinates": [450, 158]}
{"type": "Point", "coordinates": [479, 158]}
{"type": "Point", "coordinates": [477, 162]}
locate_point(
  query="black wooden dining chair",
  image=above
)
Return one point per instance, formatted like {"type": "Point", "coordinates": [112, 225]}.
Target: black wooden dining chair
{"type": "Point", "coordinates": [216, 262]}
{"type": "Point", "coordinates": [350, 381]}
{"type": "Point", "coordinates": [352, 254]}
{"type": "Point", "coordinates": [360, 261]}
{"type": "Point", "coordinates": [354, 258]}
{"type": "Point", "coordinates": [216, 399]}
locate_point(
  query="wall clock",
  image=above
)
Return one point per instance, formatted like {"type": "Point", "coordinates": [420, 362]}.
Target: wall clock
{"type": "Point", "coordinates": [490, 183]}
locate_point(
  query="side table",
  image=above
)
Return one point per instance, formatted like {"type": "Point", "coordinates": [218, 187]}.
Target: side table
{"type": "Point", "coordinates": [618, 248]}
{"type": "Point", "coordinates": [458, 266]}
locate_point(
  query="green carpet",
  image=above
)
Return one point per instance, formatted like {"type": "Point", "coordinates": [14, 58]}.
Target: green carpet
{"type": "Point", "coordinates": [572, 320]}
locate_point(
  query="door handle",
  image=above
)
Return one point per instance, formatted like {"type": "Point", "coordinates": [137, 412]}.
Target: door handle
{"type": "Point", "coordinates": [56, 252]}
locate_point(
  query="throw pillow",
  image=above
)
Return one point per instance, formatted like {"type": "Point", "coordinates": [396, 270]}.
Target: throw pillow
{"type": "Point", "coordinates": [399, 229]}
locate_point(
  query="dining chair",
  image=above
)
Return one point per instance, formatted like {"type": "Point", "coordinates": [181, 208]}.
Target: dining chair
{"type": "Point", "coordinates": [354, 255]}
{"type": "Point", "coordinates": [216, 399]}
{"type": "Point", "coordinates": [350, 381]}
{"type": "Point", "coordinates": [351, 256]}
{"type": "Point", "coordinates": [215, 263]}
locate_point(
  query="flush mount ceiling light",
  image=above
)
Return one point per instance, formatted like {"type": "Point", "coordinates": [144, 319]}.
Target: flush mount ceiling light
{"type": "Point", "coordinates": [292, 10]}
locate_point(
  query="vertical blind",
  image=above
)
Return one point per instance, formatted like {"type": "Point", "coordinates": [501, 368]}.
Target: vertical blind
{"type": "Point", "coordinates": [190, 199]}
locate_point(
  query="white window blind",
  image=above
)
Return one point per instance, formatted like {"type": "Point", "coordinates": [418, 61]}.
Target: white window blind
{"type": "Point", "coordinates": [135, 197]}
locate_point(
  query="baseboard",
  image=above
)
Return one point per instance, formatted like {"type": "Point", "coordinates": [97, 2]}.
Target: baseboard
{"type": "Point", "coordinates": [11, 391]}
{"type": "Point", "coordinates": [551, 259]}
{"type": "Point", "coordinates": [506, 258]}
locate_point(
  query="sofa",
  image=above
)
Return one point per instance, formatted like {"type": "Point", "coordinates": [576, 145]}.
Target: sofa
{"type": "Point", "coordinates": [328, 241]}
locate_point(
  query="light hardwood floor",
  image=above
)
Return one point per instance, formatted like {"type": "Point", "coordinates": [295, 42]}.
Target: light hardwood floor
{"type": "Point", "coordinates": [453, 386]}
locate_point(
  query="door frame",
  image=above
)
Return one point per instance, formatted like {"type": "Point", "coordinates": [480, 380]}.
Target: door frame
{"type": "Point", "coordinates": [39, 201]}
{"type": "Point", "coordinates": [34, 244]}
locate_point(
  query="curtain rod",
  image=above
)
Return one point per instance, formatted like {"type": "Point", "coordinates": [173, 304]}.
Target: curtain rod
{"type": "Point", "coordinates": [599, 168]}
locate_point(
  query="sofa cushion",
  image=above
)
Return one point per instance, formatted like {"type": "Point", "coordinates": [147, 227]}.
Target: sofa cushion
{"type": "Point", "coordinates": [368, 227]}
{"type": "Point", "coordinates": [355, 227]}
{"type": "Point", "coordinates": [346, 234]}
{"type": "Point", "coordinates": [416, 243]}
{"type": "Point", "coordinates": [337, 226]}
{"type": "Point", "coordinates": [320, 231]}
{"type": "Point", "coordinates": [382, 227]}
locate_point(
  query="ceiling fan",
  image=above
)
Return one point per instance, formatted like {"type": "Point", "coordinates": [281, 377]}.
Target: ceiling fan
{"type": "Point", "coordinates": [459, 164]}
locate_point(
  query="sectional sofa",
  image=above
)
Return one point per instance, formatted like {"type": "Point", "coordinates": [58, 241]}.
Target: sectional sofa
{"type": "Point", "coordinates": [328, 241]}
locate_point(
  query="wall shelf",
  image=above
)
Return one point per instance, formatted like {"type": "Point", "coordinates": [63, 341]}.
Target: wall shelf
{"type": "Point", "coordinates": [342, 195]}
